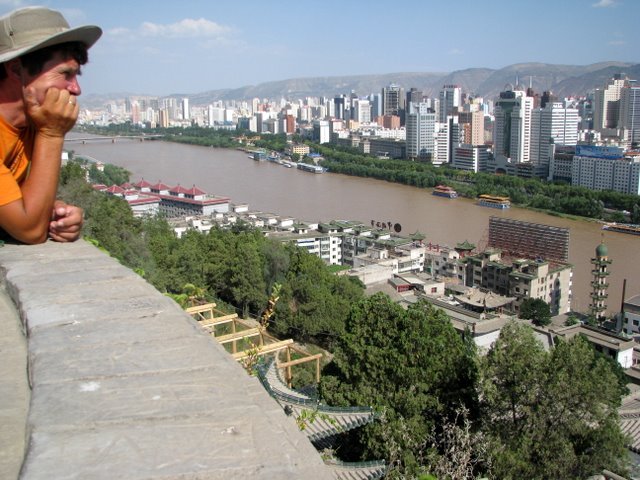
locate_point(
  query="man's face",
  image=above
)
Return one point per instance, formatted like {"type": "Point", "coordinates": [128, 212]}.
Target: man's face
{"type": "Point", "coordinates": [57, 72]}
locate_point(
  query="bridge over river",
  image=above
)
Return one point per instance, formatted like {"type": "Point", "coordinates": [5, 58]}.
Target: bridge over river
{"type": "Point", "coordinates": [96, 139]}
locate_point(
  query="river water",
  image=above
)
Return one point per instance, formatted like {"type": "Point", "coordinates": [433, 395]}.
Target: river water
{"type": "Point", "coordinates": [269, 187]}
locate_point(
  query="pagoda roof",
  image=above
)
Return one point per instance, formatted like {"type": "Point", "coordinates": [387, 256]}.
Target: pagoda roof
{"type": "Point", "coordinates": [179, 189]}
{"type": "Point", "coordinates": [142, 184]}
{"type": "Point", "coordinates": [160, 186]}
{"type": "Point", "coordinates": [196, 191]}
{"type": "Point", "coordinates": [115, 189]}
{"type": "Point", "coordinates": [466, 245]}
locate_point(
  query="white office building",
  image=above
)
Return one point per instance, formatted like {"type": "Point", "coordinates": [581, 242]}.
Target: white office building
{"type": "Point", "coordinates": [606, 112]}
{"type": "Point", "coordinates": [450, 101]}
{"type": "Point", "coordinates": [512, 129]}
{"type": "Point", "coordinates": [629, 121]}
{"type": "Point", "coordinates": [420, 131]}
{"type": "Point", "coordinates": [472, 158]}
{"type": "Point", "coordinates": [552, 124]}
{"type": "Point", "coordinates": [362, 111]}
{"type": "Point", "coordinates": [606, 168]}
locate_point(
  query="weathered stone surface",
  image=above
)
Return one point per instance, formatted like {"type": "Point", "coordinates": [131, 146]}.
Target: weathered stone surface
{"type": "Point", "coordinates": [14, 389]}
{"type": "Point", "coordinates": [126, 385]}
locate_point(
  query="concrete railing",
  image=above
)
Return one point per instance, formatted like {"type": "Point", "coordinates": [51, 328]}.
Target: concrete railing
{"type": "Point", "coordinates": [124, 384]}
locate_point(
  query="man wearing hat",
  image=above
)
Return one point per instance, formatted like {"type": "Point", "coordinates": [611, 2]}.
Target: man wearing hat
{"type": "Point", "coordinates": [40, 60]}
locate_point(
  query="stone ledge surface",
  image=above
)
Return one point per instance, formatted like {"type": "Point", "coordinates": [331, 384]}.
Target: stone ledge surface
{"type": "Point", "coordinates": [125, 384]}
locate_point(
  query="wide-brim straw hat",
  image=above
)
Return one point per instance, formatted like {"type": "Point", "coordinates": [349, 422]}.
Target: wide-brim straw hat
{"type": "Point", "coordinates": [32, 28]}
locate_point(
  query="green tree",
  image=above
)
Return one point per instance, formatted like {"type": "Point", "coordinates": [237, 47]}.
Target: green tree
{"type": "Point", "coordinates": [246, 280]}
{"type": "Point", "coordinates": [536, 310]}
{"type": "Point", "coordinates": [411, 364]}
{"type": "Point", "coordinates": [549, 414]}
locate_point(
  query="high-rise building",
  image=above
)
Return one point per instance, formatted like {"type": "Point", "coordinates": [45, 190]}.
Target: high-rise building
{"type": "Point", "coordinates": [512, 130]}
{"type": "Point", "coordinates": [606, 112]}
{"type": "Point", "coordinates": [420, 130]}
{"type": "Point", "coordinates": [447, 138]}
{"type": "Point", "coordinates": [321, 132]}
{"type": "Point", "coordinates": [629, 121]}
{"type": "Point", "coordinates": [340, 107]}
{"type": "Point", "coordinates": [376, 105]}
{"type": "Point", "coordinates": [552, 124]}
{"type": "Point", "coordinates": [361, 111]}
{"type": "Point", "coordinates": [413, 96]}
{"type": "Point", "coordinates": [393, 100]}
{"type": "Point", "coordinates": [472, 124]}
{"type": "Point", "coordinates": [186, 113]}
{"type": "Point", "coordinates": [450, 101]}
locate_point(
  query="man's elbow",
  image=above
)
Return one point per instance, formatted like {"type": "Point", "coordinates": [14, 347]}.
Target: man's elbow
{"type": "Point", "coordinates": [31, 236]}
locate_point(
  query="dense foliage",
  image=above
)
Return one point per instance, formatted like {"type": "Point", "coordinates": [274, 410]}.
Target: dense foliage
{"type": "Point", "coordinates": [549, 414]}
{"type": "Point", "coordinates": [536, 310]}
{"type": "Point", "coordinates": [411, 365]}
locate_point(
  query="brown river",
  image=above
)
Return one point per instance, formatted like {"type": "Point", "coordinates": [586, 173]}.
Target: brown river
{"type": "Point", "coordinates": [270, 187]}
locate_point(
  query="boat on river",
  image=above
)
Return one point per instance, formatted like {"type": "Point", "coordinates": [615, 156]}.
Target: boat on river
{"type": "Point", "coordinates": [631, 228]}
{"type": "Point", "coordinates": [494, 201]}
{"type": "Point", "coordinates": [307, 167]}
{"type": "Point", "coordinates": [445, 191]}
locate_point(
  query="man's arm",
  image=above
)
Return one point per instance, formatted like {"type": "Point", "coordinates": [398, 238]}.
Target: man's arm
{"type": "Point", "coordinates": [28, 219]}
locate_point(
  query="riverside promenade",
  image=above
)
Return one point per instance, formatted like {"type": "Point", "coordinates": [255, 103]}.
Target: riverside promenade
{"type": "Point", "coordinates": [123, 383]}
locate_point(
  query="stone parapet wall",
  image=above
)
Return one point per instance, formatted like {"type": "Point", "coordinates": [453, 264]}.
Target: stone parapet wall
{"type": "Point", "coordinates": [126, 385]}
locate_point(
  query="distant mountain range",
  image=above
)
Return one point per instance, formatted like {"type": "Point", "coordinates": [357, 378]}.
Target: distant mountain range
{"type": "Point", "coordinates": [562, 80]}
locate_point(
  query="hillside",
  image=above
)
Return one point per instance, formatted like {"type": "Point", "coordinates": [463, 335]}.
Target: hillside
{"type": "Point", "coordinates": [563, 80]}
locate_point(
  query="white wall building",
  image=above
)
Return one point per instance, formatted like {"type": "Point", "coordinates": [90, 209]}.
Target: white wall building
{"type": "Point", "coordinates": [473, 158]}
{"type": "Point", "coordinates": [450, 100]}
{"type": "Point", "coordinates": [420, 131]}
{"type": "Point", "coordinates": [605, 168]}
{"type": "Point", "coordinates": [512, 129]}
{"type": "Point", "coordinates": [553, 123]}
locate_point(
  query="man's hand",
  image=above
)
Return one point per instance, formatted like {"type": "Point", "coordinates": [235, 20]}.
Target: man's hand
{"type": "Point", "coordinates": [56, 115]}
{"type": "Point", "coordinates": [66, 222]}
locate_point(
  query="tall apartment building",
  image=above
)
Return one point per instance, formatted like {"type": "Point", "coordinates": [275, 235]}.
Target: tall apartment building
{"type": "Point", "coordinates": [512, 129]}
{"type": "Point", "coordinates": [447, 138]}
{"type": "Point", "coordinates": [629, 119]}
{"type": "Point", "coordinates": [186, 112]}
{"type": "Point", "coordinates": [321, 132]}
{"type": "Point", "coordinates": [606, 111]}
{"type": "Point", "coordinates": [393, 99]}
{"type": "Point", "coordinates": [450, 101]}
{"type": "Point", "coordinates": [552, 124]}
{"type": "Point", "coordinates": [420, 131]}
{"type": "Point", "coordinates": [606, 168]}
{"type": "Point", "coordinates": [361, 110]}
{"type": "Point", "coordinates": [340, 107]}
{"type": "Point", "coordinates": [472, 124]}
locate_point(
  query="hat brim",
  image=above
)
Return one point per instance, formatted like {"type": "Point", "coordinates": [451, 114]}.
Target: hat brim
{"type": "Point", "coordinates": [88, 34]}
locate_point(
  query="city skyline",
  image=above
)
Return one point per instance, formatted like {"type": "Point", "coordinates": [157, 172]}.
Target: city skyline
{"type": "Point", "coordinates": [196, 46]}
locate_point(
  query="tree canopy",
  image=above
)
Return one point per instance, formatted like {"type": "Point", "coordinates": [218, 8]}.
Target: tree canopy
{"type": "Point", "coordinates": [410, 364]}
{"type": "Point", "coordinates": [536, 310]}
{"type": "Point", "coordinates": [549, 414]}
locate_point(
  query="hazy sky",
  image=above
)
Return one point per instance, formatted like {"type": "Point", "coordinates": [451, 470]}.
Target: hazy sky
{"type": "Point", "coordinates": [190, 46]}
